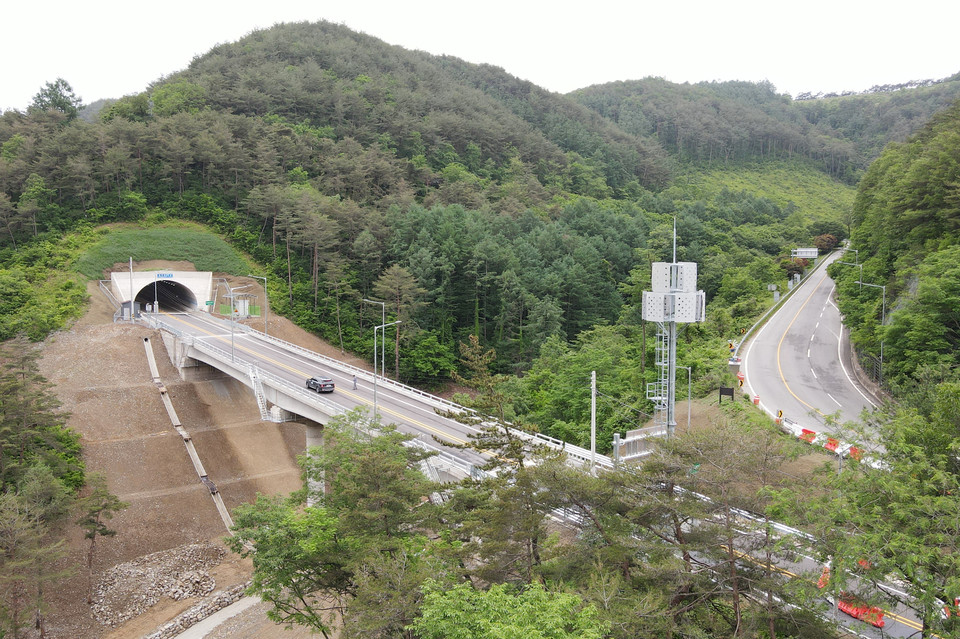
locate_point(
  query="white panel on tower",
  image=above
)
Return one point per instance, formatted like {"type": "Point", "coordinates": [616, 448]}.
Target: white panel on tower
{"type": "Point", "coordinates": [690, 307]}
{"type": "Point", "coordinates": [678, 276]}
{"type": "Point", "coordinates": [674, 307]}
{"type": "Point", "coordinates": [654, 306]}
{"type": "Point", "coordinates": [660, 277]}
{"type": "Point", "coordinates": [686, 278]}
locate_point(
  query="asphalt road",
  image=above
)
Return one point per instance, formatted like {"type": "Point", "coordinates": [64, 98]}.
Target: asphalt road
{"type": "Point", "coordinates": [798, 363]}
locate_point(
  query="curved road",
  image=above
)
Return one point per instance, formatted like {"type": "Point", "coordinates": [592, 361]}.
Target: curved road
{"type": "Point", "coordinates": [798, 362]}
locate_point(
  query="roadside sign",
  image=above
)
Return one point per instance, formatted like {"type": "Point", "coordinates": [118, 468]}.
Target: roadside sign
{"type": "Point", "coordinates": [209, 302]}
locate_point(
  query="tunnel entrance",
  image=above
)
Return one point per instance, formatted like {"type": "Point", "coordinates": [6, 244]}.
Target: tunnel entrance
{"type": "Point", "coordinates": [170, 296]}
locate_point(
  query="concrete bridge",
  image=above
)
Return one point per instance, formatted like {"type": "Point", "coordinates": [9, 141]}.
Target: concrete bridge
{"type": "Point", "coordinates": [204, 347]}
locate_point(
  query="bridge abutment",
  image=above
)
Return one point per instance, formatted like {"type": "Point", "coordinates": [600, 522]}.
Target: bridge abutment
{"type": "Point", "coordinates": [190, 369]}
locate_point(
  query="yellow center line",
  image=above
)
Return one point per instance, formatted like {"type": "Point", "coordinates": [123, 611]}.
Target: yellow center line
{"type": "Point", "coordinates": [358, 398]}
{"type": "Point", "coordinates": [784, 336]}
{"type": "Point", "coordinates": [886, 613]}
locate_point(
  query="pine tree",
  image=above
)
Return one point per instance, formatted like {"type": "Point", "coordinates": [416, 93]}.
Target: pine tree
{"type": "Point", "coordinates": [99, 505]}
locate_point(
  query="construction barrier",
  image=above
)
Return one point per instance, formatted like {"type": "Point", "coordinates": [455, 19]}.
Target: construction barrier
{"type": "Point", "coordinates": [857, 609]}
{"type": "Point", "coordinates": [954, 610]}
{"type": "Point", "coordinates": [808, 435]}
{"type": "Point", "coordinates": [824, 578]}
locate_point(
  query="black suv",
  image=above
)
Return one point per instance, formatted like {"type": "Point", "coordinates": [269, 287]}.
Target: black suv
{"type": "Point", "coordinates": [320, 384]}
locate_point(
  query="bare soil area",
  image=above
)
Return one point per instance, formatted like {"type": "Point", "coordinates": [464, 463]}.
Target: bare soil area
{"type": "Point", "coordinates": [100, 373]}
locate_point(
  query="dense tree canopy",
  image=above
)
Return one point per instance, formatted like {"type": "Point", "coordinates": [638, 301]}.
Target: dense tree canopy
{"type": "Point", "coordinates": [735, 122]}
{"type": "Point", "coordinates": [907, 237]}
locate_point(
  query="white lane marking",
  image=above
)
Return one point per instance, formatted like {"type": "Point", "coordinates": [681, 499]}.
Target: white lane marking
{"type": "Point", "coordinates": [330, 371]}
{"type": "Point", "coordinates": [834, 399]}
{"type": "Point", "coordinates": [846, 373]}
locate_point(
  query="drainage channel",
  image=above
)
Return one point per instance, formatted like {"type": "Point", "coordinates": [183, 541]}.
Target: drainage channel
{"type": "Point", "coordinates": [187, 440]}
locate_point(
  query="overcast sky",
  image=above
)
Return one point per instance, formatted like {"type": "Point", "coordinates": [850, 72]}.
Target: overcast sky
{"type": "Point", "coordinates": [107, 49]}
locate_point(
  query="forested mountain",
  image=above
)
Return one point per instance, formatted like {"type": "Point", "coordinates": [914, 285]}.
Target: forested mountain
{"type": "Point", "coordinates": [420, 107]}
{"type": "Point", "coordinates": [907, 234]}
{"type": "Point", "coordinates": [478, 203]}
{"type": "Point", "coordinates": [713, 123]}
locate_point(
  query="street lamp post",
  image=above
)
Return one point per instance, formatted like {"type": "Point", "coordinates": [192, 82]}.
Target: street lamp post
{"type": "Point", "coordinates": [593, 420]}
{"type": "Point", "coordinates": [232, 296]}
{"type": "Point", "coordinates": [883, 317]}
{"type": "Point", "coordinates": [852, 264]}
{"type": "Point", "coordinates": [383, 319]}
{"type": "Point", "coordinates": [265, 301]}
{"type": "Point", "coordinates": [132, 319]}
{"type": "Point", "coordinates": [375, 329]}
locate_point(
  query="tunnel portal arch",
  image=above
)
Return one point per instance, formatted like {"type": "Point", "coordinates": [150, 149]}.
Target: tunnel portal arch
{"type": "Point", "coordinates": [174, 291]}
{"type": "Point", "coordinates": [167, 295]}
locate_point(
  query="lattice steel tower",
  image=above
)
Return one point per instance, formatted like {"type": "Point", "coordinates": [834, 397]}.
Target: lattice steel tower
{"type": "Point", "coordinates": [674, 299]}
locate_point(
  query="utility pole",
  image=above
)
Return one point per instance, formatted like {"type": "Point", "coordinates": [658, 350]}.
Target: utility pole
{"type": "Point", "coordinates": [233, 310]}
{"type": "Point", "coordinates": [383, 320]}
{"type": "Point", "coordinates": [883, 317]}
{"type": "Point", "coordinates": [383, 336]}
{"type": "Point", "coordinates": [593, 420]}
{"type": "Point", "coordinates": [852, 264]}
{"type": "Point", "coordinates": [689, 394]}
{"type": "Point", "coordinates": [131, 290]}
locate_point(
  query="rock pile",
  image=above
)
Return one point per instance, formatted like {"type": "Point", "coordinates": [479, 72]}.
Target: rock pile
{"type": "Point", "coordinates": [199, 612]}
{"type": "Point", "coordinates": [128, 589]}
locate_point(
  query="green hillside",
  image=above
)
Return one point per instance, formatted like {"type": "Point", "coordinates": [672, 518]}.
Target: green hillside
{"type": "Point", "coordinates": [351, 168]}
{"type": "Point", "coordinates": [797, 184]}
{"type": "Point", "coordinates": [907, 216]}
{"type": "Point", "coordinates": [719, 123]}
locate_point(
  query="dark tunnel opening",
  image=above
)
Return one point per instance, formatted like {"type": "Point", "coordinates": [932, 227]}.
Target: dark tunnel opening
{"type": "Point", "coordinates": [170, 296]}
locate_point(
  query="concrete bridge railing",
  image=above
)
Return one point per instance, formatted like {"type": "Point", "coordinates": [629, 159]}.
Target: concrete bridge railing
{"type": "Point", "coordinates": [238, 369]}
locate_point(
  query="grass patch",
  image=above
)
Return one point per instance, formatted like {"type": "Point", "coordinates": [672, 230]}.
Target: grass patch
{"type": "Point", "coordinates": [182, 242]}
{"type": "Point", "coordinates": [815, 194]}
